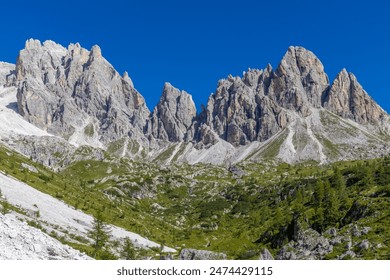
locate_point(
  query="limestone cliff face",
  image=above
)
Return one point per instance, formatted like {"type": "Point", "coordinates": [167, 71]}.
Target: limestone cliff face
{"type": "Point", "coordinates": [173, 115]}
{"type": "Point", "coordinates": [257, 105]}
{"type": "Point", "coordinates": [76, 94]}
{"type": "Point", "coordinates": [299, 81]}
{"type": "Point", "coordinates": [240, 112]}
{"type": "Point", "coordinates": [348, 99]}
{"type": "Point", "coordinates": [68, 90]}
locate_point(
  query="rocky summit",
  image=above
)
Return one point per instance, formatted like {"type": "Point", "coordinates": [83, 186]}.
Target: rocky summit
{"type": "Point", "coordinates": [173, 115]}
{"type": "Point", "coordinates": [73, 93]}
{"type": "Point", "coordinates": [291, 114]}
{"type": "Point", "coordinates": [347, 98]}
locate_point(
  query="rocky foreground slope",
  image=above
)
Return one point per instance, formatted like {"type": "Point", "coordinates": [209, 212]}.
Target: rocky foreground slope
{"type": "Point", "coordinates": [19, 241]}
{"type": "Point", "coordinates": [293, 113]}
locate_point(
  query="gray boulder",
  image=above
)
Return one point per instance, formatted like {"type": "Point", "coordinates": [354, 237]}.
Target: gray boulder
{"type": "Point", "coordinates": [364, 245]}
{"type": "Point", "coordinates": [193, 254]}
{"type": "Point", "coordinates": [309, 244]}
{"type": "Point", "coordinates": [299, 81]}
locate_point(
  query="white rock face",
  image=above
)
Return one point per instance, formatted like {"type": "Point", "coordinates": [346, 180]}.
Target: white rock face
{"type": "Point", "coordinates": [74, 92]}
{"type": "Point", "coordinates": [253, 108]}
{"type": "Point", "coordinates": [19, 241]}
{"type": "Point", "coordinates": [77, 95]}
{"type": "Point", "coordinates": [348, 99]}
{"type": "Point", "coordinates": [299, 81]}
{"type": "Point", "coordinates": [262, 104]}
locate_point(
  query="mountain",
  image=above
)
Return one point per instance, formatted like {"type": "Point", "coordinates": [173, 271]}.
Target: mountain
{"type": "Point", "coordinates": [347, 98]}
{"type": "Point", "coordinates": [294, 112]}
{"type": "Point", "coordinates": [173, 115]}
{"type": "Point", "coordinates": [291, 114]}
{"type": "Point", "coordinates": [75, 93]}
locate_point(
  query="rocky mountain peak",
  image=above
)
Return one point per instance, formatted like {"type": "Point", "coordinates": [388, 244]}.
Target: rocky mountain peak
{"type": "Point", "coordinates": [348, 99]}
{"type": "Point", "coordinates": [76, 48]}
{"type": "Point", "coordinates": [173, 115]}
{"type": "Point", "coordinates": [53, 46]}
{"type": "Point", "coordinates": [32, 44]}
{"type": "Point", "coordinates": [96, 52]}
{"type": "Point", "coordinates": [300, 81]}
{"type": "Point", "coordinates": [127, 79]}
{"type": "Point", "coordinates": [75, 93]}
{"type": "Point", "coordinates": [298, 60]}
{"type": "Point", "coordinates": [263, 102]}
{"type": "Point", "coordinates": [240, 111]}
{"type": "Point", "coordinates": [39, 61]}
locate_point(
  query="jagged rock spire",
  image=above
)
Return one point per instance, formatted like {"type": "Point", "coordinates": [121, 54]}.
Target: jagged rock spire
{"type": "Point", "coordinates": [299, 81]}
{"type": "Point", "coordinates": [348, 99]}
{"type": "Point", "coordinates": [65, 90]}
{"type": "Point", "coordinates": [173, 115]}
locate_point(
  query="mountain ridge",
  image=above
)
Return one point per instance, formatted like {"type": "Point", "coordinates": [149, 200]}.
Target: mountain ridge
{"type": "Point", "coordinates": [252, 170]}
{"type": "Point", "coordinates": [78, 95]}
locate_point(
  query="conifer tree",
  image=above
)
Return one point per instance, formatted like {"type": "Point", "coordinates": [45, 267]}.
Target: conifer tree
{"type": "Point", "coordinates": [100, 234]}
{"type": "Point", "coordinates": [128, 251]}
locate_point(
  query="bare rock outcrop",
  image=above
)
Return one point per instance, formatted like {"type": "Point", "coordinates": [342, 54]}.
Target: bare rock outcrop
{"type": "Point", "coordinates": [299, 81]}
{"type": "Point", "coordinates": [348, 99]}
{"type": "Point", "coordinates": [240, 112]}
{"type": "Point", "coordinates": [72, 92]}
{"type": "Point", "coordinates": [7, 73]}
{"type": "Point", "coordinates": [173, 115]}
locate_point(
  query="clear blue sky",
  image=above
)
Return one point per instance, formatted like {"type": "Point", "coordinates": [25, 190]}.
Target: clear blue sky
{"type": "Point", "coordinates": [193, 44]}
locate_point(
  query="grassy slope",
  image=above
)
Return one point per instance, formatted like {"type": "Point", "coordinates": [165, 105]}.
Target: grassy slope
{"type": "Point", "coordinates": [206, 207]}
